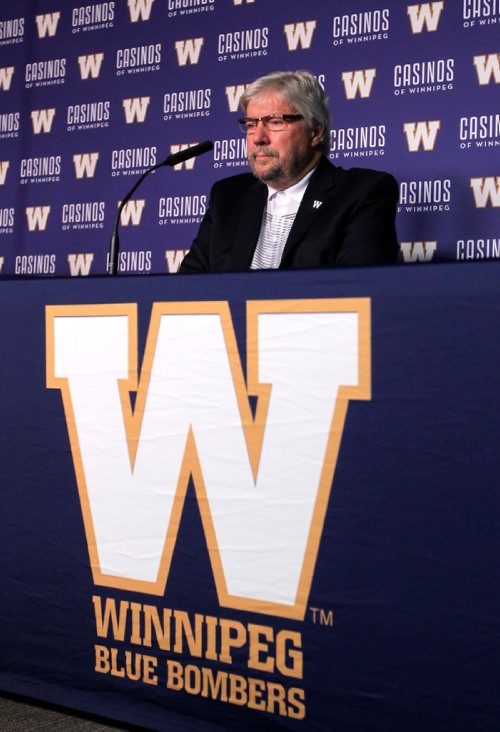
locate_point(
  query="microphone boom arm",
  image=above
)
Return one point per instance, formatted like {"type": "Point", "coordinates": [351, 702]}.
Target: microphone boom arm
{"type": "Point", "coordinates": [171, 160]}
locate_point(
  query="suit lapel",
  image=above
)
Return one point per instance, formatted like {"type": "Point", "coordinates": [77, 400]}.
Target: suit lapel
{"type": "Point", "coordinates": [318, 192]}
{"type": "Point", "coordinates": [248, 229]}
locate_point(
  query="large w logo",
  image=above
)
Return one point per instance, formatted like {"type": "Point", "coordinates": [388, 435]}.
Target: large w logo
{"type": "Point", "coordinates": [425, 14]}
{"type": "Point", "coordinates": [262, 481]}
{"type": "Point", "coordinates": [139, 9]}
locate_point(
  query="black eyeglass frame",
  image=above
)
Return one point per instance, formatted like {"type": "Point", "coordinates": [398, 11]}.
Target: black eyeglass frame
{"type": "Point", "coordinates": [243, 121]}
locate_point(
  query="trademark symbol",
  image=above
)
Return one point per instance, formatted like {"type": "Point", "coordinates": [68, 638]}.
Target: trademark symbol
{"type": "Point", "coordinates": [321, 616]}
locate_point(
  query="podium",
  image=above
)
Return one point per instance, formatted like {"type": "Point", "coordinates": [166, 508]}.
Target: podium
{"type": "Point", "coordinates": [266, 500]}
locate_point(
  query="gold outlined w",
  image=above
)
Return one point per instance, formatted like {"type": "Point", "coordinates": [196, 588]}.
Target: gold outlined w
{"type": "Point", "coordinates": [262, 481]}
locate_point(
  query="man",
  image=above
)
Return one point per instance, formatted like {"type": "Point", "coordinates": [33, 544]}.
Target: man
{"type": "Point", "coordinates": [295, 209]}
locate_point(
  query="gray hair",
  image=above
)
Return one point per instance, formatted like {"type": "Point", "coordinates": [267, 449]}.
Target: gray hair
{"type": "Point", "coordinates": [302, 91]}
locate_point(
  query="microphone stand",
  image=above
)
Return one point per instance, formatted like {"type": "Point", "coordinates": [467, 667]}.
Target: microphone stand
{"type": "Point", "coordinates": [171, 160]}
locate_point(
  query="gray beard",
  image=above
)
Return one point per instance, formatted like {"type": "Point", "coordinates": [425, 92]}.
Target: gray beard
{"type": "Point", "coordinates": [277, 173]}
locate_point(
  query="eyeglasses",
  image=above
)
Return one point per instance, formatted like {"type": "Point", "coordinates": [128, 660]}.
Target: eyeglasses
{"type": "Point", "coordinates": [271, 122]}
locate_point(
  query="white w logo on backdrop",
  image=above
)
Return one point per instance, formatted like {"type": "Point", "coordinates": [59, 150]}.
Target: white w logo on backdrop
{"type": "Point", "coordinates": [36, 217]}
{"type": "Point", "coordinates": [85, 164]}
{"type": "Point", "coordinates": [234, 94]}
{"type": "Point", "coordinates": [427, 14]}
{"type": "Point", "coordinates": [47, 24]}
{"type": "Point", "coordinates": [90, 65]}
{"type": "Point", "coordinates": [188, 164]}
{"type": "Point", "coordinates": [139, 9]}
{"type": "Point", "coordinates": [174, 258]}
{"type": "Point", "coordinates": [486, 190]}
{"type": "Point", "coordinates": [4, 166]}
{"type": "Point", "coordinates": [80, 264]}
{"type": "Point", "coordinates": [262, 481]}
{"type": "Point", "coordinates": [487, 67]}
{"type": "Point", "coordinates": [6, 77]}
{"type": "Point", "coordinates": [360, 81]}
{"type": "Point", "coordinates": [418, 251]}
{"type": "Point", "coordinates": [132, 212]}
{"type": "Point", "coordinates": [188, 51]}
{"type": "Point", "coordinates": [421, 134]}
{"type": "Point", "coordinates": [135, 109]}
{"type": "Point", "coordinates": [42, 120]}
{"type": "Point", "coordinates": [299, 34]}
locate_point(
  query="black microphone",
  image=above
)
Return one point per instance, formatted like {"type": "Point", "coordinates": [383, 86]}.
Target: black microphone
{"type": "Point", "coordinates": [171, 160]}
{"type": "Point", "coordinates": [188, 153]}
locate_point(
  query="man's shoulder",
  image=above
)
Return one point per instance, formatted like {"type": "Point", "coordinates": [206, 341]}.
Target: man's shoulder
{"type": "Point", "coordinates": [235, 182]}
{"type": "Point", "coordinates": [357, 175]}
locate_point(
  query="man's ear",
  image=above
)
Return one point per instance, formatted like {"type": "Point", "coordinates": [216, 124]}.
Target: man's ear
{"type": "Point", "coordinates": [317, 135]}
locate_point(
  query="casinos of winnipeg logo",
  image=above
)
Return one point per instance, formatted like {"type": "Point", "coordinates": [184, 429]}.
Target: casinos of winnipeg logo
{"type": "Point", "coordinates": [83, 215]}
{"type": "Point", "coordinates": [11, 31]}
{"type": "Point", "coordinates": [93, 17]}
{"type": "Point", "coordinates": [479, 131]}
{"type": "Point", "coordinates": [362, 27]}
{"type": "Point", "coordinates": [468, 249]}
{"type": "Point", "coordinates": [424, 196]}
{"type": "Point", "coordinates": [422, 77]}
{"type": "Point", "coordinates": [192, 7]}
{"type": "Point", "coordinates": [7, 217]}
{"type": "Point", "coordinates": [187, 209]}
{"type": "Point", "coordinates": [187, 103]}
{"type": "Point", "coordinates": [230, 153]}
{"type": "Point", "coordinates": [133, 160]}
{"type": "Point", "coordinates": [9, 124]}
{"type": "Point", "coordinates": [88, 115]}
{"type": "Point", "coordinates": [44, 169]}
{"type": "Point", "coordinates": [246, 43]}
{"type": "Point", "coordinates": [138, 59]}
{"type": "Point", "coordinates": [45, 73]}
{"type": "Point", "coordinates": [480, 13]}
{"type": "Point", "coordinates": [363, 141]}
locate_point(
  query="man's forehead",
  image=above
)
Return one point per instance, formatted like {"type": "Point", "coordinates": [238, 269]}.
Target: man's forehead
{"type": "Point", "coordinates": [269, 102]}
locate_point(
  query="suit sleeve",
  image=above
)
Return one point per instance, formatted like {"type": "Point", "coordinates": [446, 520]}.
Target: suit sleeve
{"type": "Point", "coordinates": [198, 257]}
{"type": "Point", "coordinates": [370, 233]}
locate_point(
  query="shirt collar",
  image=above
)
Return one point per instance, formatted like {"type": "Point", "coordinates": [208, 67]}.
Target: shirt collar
{"type": "Point", "coordinates": [296, 191]}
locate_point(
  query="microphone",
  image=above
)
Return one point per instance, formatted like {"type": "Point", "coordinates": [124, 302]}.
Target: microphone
{"type": "Point", "coordinates": [188, 153]}
{"type": "Point", "coordinates": [171, 160]}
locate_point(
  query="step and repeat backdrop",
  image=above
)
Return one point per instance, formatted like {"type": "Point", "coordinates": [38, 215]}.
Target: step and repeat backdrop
{"type": "Point", "coordinates": [93, 94]}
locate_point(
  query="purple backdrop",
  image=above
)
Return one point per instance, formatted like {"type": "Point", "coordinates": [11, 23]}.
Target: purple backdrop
{"type": "Point", "coordinates": [92, 94]}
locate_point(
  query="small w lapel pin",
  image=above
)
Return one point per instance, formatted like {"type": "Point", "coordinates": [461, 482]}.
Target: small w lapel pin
{"type": "Point", "coordinates": [317, 204]}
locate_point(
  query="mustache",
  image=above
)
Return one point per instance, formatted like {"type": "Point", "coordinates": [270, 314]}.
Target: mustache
{"type": "Point", "coordinates": [267, 149]}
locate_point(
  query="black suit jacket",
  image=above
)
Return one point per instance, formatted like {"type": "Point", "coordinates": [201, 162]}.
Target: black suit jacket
{"type": "Point", "coordinates": [346, 217]}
